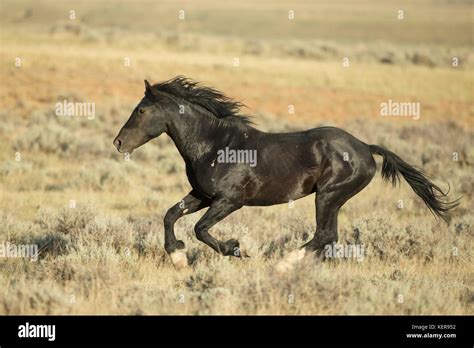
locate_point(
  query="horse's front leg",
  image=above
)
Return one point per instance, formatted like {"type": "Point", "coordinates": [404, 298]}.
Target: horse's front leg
{"type": "Point", "coordinates": [189, 204]}
{"type": "Point", "coordinates": [219, 209]}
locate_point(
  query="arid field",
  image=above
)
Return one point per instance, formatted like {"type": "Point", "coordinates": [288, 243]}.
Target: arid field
{"type": "Point", "coordinates": [97, 217]}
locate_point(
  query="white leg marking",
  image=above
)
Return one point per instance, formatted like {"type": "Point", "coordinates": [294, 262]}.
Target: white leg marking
{"type": "Point", "coordinates": [179, 259]}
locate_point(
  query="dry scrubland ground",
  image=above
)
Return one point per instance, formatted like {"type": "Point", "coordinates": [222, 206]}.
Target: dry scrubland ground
{"type": "Point", "coordinates": [106, 255]}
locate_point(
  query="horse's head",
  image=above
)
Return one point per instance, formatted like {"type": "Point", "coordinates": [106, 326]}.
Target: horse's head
{"type": "Point", "coordinates": [147, 121]}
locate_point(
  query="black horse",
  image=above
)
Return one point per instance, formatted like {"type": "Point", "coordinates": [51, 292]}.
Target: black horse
{"type": "Point", "coordinates": [230, 164]}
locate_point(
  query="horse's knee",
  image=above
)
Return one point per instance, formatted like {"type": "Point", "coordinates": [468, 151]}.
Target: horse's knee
{"type": "Point", "coordinates": [170, 217]}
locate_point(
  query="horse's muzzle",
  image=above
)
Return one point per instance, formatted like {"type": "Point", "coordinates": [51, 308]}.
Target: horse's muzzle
{"type": "Point", "coordinates": [118, 144]}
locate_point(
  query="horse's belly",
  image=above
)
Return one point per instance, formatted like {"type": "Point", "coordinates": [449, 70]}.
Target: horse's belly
{"type": "Point", "coordinates": [277, 190]}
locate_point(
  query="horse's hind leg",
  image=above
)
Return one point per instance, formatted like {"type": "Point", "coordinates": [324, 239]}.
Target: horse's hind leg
{"type": "Point", "coordinates": [329, 199]}
{"type": "Point", "coordinates": [343, 183]}
{"type": "Point", "coordinates": [327, 210]}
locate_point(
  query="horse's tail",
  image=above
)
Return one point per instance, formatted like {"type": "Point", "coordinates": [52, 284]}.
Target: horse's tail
{"type": "Point", "coordinates": [431, 194]}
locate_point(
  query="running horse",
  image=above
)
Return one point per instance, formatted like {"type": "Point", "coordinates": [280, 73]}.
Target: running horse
{"type": "Point", "coordinates": [327, 161]}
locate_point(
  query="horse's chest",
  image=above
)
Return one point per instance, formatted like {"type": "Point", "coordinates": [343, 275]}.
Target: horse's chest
{"type": "Point", "coordinates": [202, 179]}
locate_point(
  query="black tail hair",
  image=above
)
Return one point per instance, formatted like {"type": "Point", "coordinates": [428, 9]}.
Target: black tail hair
{"type": "Point", "coordinates": [419, 181]}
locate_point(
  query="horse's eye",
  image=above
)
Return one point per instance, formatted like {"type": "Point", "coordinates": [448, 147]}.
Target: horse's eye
{"type": "Point", "coordinates": [141, 110]}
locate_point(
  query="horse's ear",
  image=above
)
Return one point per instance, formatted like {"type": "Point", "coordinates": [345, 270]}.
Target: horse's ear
{"type": "Point", "coordinates": [147, 86]}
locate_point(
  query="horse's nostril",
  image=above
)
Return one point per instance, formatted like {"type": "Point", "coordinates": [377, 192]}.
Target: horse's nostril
{"type": "Point", "coordinates": [117, 143]}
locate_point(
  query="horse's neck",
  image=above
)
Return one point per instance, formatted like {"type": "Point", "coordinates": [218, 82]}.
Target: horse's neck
{"type": "Point", "coordinates": [191, 135]}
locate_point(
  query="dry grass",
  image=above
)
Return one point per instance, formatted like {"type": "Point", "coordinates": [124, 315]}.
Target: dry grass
{"type": "Point", "coordinates": [106, 255]}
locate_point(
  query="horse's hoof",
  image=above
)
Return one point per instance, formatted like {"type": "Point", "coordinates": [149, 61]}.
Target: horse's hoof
{"type": "Point", "coordinates": [289, 261]}
{"type": "Point", "coordinates": [232, 248]}
{"type": "Point", "coordinates": [180, 244]}
{"type": "Point", "coordinates": [179, 259]}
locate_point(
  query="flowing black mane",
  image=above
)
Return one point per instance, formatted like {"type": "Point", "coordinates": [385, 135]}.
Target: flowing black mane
{"type": "Point", "coordinates": [214, 101]}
